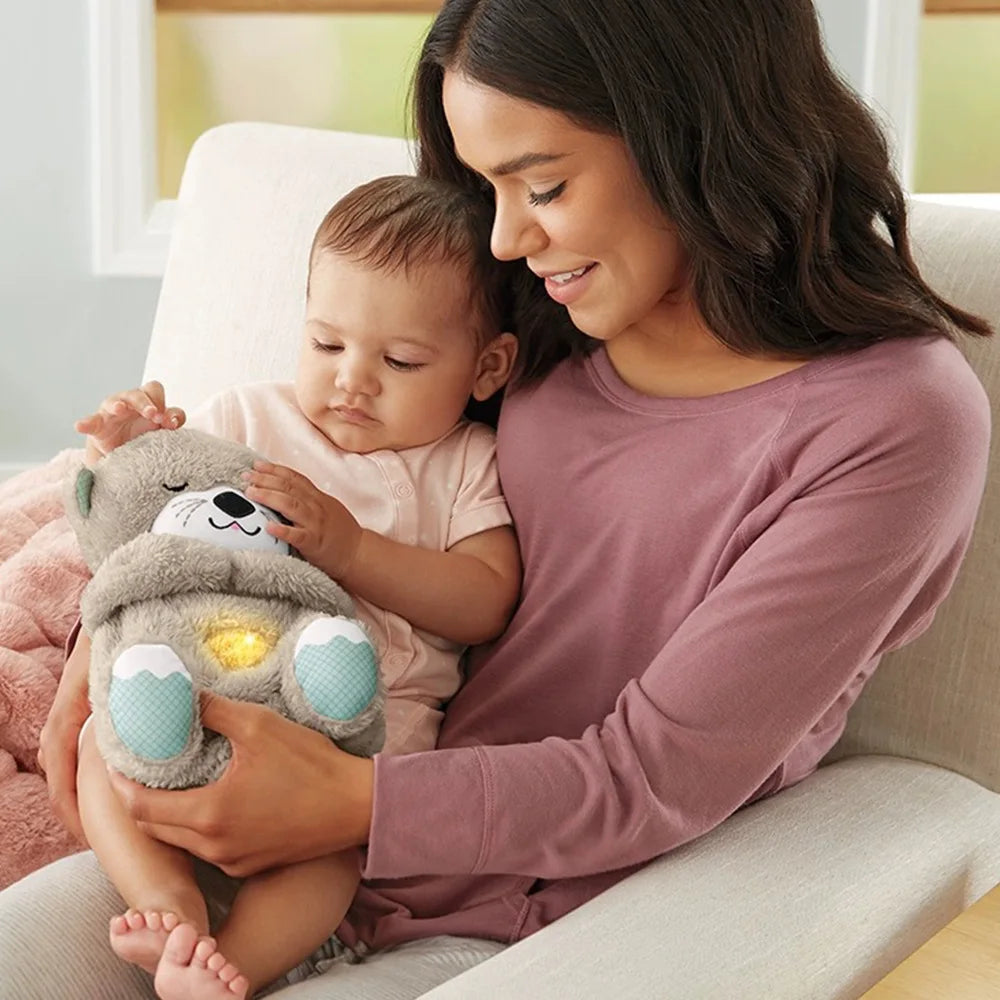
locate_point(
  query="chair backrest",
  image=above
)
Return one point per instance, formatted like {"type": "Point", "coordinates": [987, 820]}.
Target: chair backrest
{"type": "Point", "coordinates": [233, 294]}
{"type": "Point", "coordinates": [938, 699]}
{"type": "Point", "coordinates": [231, 307]}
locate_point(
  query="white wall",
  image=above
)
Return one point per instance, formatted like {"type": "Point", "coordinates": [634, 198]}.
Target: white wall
{"type": "Point", "coordinates": [66, 337]}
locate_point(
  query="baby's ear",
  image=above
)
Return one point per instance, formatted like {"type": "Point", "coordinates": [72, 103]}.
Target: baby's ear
{"type": "Point", "coordinates": [495, 366]}
{"type": "Point", "coordinates": [84, 485]}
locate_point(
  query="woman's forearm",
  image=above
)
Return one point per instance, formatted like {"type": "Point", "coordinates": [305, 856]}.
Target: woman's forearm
{"type": "Point", "coordinates": [57, 745]}
{"type": "Point", "coordinates": [322, 795]}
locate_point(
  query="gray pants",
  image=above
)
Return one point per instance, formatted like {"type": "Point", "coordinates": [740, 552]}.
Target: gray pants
{"type": "Point", "coordinates": [54, 943]}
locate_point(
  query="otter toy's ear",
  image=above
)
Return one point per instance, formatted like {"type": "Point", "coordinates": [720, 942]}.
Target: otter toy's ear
{"type": "Point", "coordinates": [84, 484]}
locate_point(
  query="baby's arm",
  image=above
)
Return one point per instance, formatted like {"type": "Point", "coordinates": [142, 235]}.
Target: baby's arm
{"type": "Point", "coordinates": [124, 416]}
{"type": "Point", "coordinates": [466, 594]}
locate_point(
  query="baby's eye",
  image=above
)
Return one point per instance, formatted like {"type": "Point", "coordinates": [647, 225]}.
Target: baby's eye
{"type": "Point", "coordinates": [175, 489]}
{"type": "Point", "coordinates": [402, 366]}
{"type": "Point", "coordinates": [319, 345]}
{"type": "Point", "coordinates": [544, 197]}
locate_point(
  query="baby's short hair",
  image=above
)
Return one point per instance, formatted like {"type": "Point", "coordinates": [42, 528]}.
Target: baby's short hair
{"type": "Point", "coordinates": [404, 222]}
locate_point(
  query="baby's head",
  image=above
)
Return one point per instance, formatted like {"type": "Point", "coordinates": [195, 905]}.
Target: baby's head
{"type": "Point", "coordinates": [403, 316]}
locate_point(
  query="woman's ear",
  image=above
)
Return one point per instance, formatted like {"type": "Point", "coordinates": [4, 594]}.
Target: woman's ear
{"type": "Point", "coordinates": [496, 362]}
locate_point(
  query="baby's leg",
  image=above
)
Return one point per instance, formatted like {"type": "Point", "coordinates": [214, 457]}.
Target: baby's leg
{"type": "Point", "coordinates": [156, 880]}
{"type": "Point", "coordinates": [278, 919]}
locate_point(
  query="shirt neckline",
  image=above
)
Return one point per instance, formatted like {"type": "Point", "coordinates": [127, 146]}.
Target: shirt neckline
{"type": "Point", "coordinates": [614, 387]}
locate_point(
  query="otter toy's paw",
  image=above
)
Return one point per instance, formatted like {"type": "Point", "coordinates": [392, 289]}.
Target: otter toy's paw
{"type": "Point", "coordinates": [335, 667]}
{"type": "Point", "coordinates": [151, 702]}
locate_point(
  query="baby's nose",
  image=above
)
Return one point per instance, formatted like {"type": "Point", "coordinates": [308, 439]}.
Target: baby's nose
{"type": "Point", "coordinates": [233, 504]}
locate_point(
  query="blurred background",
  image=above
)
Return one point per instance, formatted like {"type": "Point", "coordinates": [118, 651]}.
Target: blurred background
{"type": "Point", "coordinates": [74, 321]}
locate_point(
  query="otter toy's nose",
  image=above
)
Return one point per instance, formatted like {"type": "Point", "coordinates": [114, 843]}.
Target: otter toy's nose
{"type": "Point", "coordinates": [233, 504]}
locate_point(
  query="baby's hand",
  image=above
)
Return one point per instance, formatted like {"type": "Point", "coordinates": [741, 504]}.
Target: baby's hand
{"type": "Point", "coordinates": [323, 530]}
{"type": "Point", "coordinates": [124, 416]}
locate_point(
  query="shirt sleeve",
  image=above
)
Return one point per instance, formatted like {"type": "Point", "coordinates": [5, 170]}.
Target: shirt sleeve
{"type": "Point", "coordinates": [852, 566]}
{"type": "Point", "coordinates": [479, 504]}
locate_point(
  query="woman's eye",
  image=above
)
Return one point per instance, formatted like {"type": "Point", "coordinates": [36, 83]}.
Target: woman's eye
{"type": "Point", "coordinates": [544, 197]}
{"type": "Point", "coordinates": [402, 366]}
{"type": "Point", "coordinates": [175, 489]}
{"type": "Point", "coordinates": [319, 345]}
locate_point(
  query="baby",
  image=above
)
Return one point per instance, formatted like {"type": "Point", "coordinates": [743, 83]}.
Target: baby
{"type": "Point", "coordinates": [394, 494]}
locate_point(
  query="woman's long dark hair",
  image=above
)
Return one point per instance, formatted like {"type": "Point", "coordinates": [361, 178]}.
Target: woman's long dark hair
{"type": "Point", "coordinates": [773, 172]}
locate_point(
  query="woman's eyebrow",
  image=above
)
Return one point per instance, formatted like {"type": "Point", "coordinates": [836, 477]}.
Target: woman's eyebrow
{"type": "Point", "coordinates": [524, 161]}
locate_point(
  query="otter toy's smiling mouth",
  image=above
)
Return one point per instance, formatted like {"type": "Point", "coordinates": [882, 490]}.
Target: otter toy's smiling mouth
{"type": "Point", "coordinates": [234, 524]}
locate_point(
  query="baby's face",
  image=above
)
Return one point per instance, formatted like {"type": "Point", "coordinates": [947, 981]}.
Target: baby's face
{"type": "Point", "coordinates": [388, 360]}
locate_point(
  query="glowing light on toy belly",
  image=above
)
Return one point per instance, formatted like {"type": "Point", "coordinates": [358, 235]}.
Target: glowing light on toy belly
{"type": "Point", "coordinates": [239, 647]}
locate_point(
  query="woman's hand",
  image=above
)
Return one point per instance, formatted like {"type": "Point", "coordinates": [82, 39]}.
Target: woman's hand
{"type": "Point", "coordinates": [287, 795]}
{"type": "Point", "coordinates": [322, 528]}
{"type": "Point", "coordinates": [124, 416]}
{"type": "Point", "coordinates": [57, 750]}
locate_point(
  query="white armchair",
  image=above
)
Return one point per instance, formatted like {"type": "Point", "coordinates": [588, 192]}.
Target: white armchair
{"type": "Point", "coordinates": [815, 893]}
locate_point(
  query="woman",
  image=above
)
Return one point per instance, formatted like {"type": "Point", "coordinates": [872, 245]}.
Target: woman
{"type": "Point", "coordinates": [744, 462]}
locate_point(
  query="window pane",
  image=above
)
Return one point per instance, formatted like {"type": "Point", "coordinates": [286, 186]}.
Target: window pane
{"type": "Point", "coordinates": [958, 105]}
{"type": "Point", "coordinates": [338, 71]}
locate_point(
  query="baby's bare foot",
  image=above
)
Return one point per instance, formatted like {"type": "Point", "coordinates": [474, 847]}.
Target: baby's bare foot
{"type": "Point", "coordinates": [192, 969]}
{"type": "Point", "coordinates": [139, 937]}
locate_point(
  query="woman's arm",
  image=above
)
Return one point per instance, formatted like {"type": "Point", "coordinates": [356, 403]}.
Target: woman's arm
{"type": "Point", "coordinates": [837, 578]}
{"type": "Point", "coordinates": [852, 567]}
{"type": "Point", "coordinates": [57, 754]}
{"type": "Point", "coordinates": [322, 795]}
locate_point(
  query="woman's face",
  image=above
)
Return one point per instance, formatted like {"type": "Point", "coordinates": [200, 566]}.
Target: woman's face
{"type": "Point", "coordinates": [571, 202]}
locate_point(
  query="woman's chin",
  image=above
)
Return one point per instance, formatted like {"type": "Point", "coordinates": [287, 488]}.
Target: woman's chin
{"type": "Point", "coordinates": [593, 328]}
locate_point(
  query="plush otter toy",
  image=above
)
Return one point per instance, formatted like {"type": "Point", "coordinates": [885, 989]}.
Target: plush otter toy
{"type": "Point", "coordinates": [191, 592]}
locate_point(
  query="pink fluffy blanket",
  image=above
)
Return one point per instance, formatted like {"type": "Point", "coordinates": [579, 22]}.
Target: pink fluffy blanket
{"type": "Point", "coordinates": [41, 575]}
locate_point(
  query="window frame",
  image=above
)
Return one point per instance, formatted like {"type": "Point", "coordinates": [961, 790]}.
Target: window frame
{"type": "Point", "coordinates": [300, 6]}
{"type": "Point", "coordinates": [962, 6]}
{"type": "Point", "coordinates": [130, 224]}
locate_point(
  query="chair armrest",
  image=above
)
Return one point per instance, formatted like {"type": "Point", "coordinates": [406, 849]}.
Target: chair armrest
{"type": "Point", "coordinates": [817, 892]}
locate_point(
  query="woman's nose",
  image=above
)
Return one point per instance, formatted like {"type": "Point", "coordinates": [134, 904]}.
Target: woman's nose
{"type": "Point", "coordinates": [516, 233]}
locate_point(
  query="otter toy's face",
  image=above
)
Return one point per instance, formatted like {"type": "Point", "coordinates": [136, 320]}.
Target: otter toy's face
{"type": "Point", "coordinates": [181, 482]}
{"type": "Point", "coordinates": [222, 516]}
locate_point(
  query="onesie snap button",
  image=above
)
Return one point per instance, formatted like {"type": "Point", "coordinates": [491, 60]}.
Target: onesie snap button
{"type": "Point", "coordinates": [403, 490]}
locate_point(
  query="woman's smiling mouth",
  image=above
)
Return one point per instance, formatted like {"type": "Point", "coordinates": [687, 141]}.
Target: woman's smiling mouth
{"type": "Point", "coordinates": [567, 286]}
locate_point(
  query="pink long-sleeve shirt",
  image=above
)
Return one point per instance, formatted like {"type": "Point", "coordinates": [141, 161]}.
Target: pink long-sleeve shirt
{"type": "Point", "coordinates": [708, 584]}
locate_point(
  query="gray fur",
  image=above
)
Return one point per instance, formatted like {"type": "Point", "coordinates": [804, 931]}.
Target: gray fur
{"type": "Point", "coordinates": [164, 589]}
